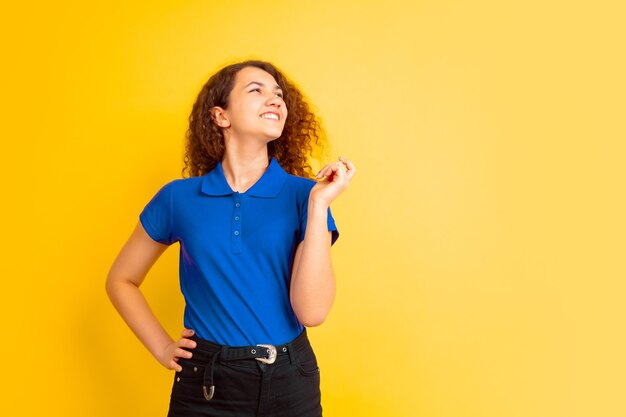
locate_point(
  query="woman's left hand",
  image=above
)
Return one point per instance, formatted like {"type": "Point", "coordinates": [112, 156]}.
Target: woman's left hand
{"type": "Point", "coordinates": [338, 175]}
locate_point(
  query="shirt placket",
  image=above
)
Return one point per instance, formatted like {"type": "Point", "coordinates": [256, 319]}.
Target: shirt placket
{"type": "Point", "coordinates": [236, 222]}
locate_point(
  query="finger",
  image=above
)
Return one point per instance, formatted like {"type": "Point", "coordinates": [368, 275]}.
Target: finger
{"type": "Point", "coordinates": [349, 165]}
{"type": "Point", "coordinates": [337, 166]}
{"type": "Point", "coordinates": [188, 343]}
{"type": "Point", "coordinates": [339, 170]}
{"type": "Point", "coordinates": [328, 169]}
{"type": "Point", "coordinates": [182, 353]}
{"type": "Point", "coordinates": [175, 366]}
{"type": "Point", "coordinates": [187, 333]}
{"type": "Point", "coordinates": [350, 169]}
{"type": "Point", "coordinates": [323, 172]}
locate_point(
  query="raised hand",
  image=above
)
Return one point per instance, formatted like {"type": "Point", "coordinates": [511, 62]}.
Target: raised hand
{"type": "Point", "coordinates": [337, 178]}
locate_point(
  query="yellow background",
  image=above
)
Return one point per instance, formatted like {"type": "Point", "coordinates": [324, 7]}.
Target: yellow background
{"type": "Point", "coordinates": [481, 260]}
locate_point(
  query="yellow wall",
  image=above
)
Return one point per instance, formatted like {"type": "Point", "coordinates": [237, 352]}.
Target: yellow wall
{"type": "Point", "coordinates": [481, 260]}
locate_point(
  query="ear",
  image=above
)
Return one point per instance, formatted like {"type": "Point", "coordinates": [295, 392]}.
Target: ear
{"type": "Point", "coordinates": [219, 117]}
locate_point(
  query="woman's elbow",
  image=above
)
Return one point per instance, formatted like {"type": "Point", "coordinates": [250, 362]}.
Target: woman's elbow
{"type": "Point", "coordinates": [110, 286]}
{"type": "Point", "coordinates": [116, 283]}
{"type": "Point", "coordinates": [312, 319]}
{"type": "Point", "coordinates": [312, 311]}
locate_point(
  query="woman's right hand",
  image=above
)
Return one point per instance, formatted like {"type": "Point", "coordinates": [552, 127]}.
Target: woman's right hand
{"type": "Point", "coordinates": [173, 351]}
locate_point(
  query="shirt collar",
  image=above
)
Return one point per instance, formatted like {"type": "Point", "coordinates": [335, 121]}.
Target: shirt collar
{"type": "Point", "coordinates": [214, 182]}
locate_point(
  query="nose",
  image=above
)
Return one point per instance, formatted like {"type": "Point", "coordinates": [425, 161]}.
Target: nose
{"type": "Point", "coordinates": [275, 101]}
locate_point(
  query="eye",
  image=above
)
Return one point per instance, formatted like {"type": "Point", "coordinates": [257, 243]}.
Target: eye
{"type": "Point", "coordinates": [259, 90]}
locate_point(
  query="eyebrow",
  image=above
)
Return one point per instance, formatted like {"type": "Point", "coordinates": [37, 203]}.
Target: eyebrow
{"type": "Point", "coordinates": [276, 87]}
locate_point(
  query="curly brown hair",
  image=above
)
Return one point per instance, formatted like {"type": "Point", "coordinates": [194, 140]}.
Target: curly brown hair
{"type": "Point", "coordinates": [302, 138]}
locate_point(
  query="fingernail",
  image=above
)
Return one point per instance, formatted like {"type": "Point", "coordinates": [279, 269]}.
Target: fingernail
{"type": "Point", "coordinates": [194, 344]}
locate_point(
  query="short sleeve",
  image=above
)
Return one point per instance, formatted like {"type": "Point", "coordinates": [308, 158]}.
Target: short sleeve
{"type": "Point", "coordinates": [156, 217]}
{"type": "Point", "coordinates": [332, 227]}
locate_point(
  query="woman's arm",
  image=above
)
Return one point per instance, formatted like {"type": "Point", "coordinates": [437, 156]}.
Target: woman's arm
{"type": "Point", "coordinates": [122, 285]}
{"type": "Point", "coordinates": [312, 280]}
{"type": "Point", "coordinates": [312, 290]}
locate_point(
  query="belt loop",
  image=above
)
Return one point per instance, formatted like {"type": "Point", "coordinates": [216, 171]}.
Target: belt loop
{"type": "Point", "coordinates": [292, 354]}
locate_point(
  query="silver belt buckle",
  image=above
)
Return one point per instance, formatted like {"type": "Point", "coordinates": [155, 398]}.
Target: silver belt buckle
{"type": "Point", "coordinates": [271, 354]}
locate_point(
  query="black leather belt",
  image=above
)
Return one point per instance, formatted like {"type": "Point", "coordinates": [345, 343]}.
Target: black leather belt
{"type": "Point", "coordinates": [263, 353]}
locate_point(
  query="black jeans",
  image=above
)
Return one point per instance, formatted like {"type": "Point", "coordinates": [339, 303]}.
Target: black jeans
{"type": "Point", "coordinates": [229, 382]}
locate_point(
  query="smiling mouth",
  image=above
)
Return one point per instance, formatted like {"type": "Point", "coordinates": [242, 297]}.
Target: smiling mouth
{"type": "Point", "coordinates": [269, 116]}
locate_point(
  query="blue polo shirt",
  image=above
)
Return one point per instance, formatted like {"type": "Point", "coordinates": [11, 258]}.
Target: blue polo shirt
{"type": "Point", "coordinates": [236, 251]}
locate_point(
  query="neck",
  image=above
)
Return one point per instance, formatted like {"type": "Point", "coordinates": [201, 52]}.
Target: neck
{"type": "Point", "coordinates": [244, 166]}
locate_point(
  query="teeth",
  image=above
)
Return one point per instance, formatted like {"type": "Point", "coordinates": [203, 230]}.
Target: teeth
{"type": "Point", "coordinates": [269, 116]}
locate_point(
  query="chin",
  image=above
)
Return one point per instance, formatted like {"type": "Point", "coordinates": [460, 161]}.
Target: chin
{"type": "Point", "coordinates": [270, 137]}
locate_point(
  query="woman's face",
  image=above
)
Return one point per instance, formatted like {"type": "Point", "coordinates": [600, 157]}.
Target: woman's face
{"type": "Point", "coordinates": [256, 109]}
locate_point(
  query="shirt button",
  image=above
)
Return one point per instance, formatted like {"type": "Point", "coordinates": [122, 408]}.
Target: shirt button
{"type": "Point", "coordinates": [237, 204]}
{"type": "Point", "coordinates": [236, 232]}
{"type": "Point", "coordinates": [236, 217]}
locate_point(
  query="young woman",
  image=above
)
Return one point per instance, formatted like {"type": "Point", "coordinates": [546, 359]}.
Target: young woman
{"type": "Point", "coordinates": [255, 265]}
